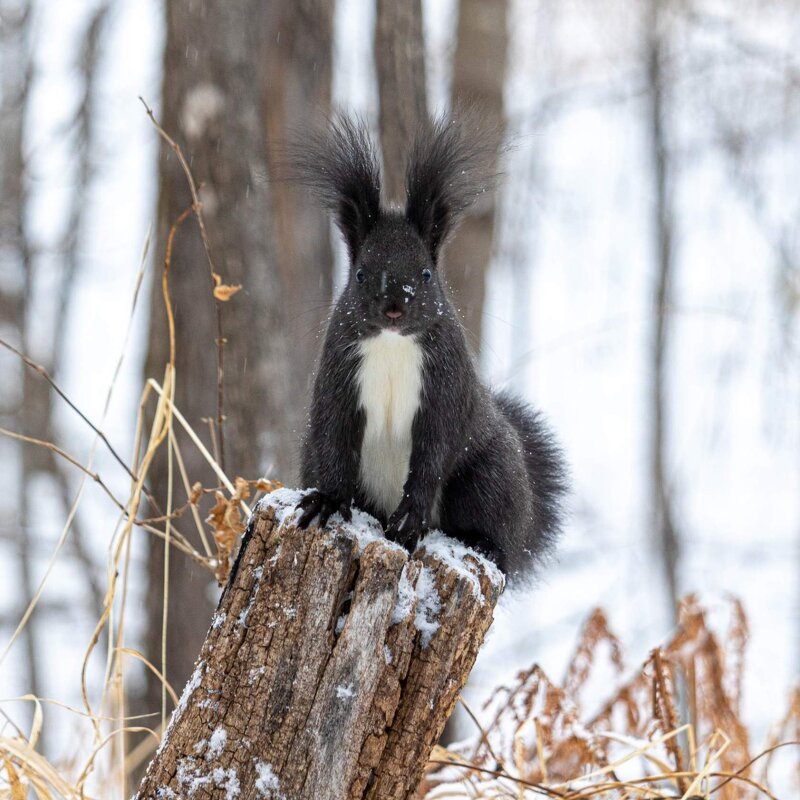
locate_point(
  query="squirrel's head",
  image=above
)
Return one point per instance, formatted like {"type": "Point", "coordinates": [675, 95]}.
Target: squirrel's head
{"type": "Point", "coordinates": [394, 280]}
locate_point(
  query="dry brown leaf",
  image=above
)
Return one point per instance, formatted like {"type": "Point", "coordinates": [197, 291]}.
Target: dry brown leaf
{"type": "Point", "coordinates": [224, 291]}
{"type": "Point", "coordinates": [196, 493]}
{"type": "Point", "coordinates": [595, 631]}
{"type": "Point", "coordinates": [242, 489]}
{"type": "Point", "coordinates": [227, 523]}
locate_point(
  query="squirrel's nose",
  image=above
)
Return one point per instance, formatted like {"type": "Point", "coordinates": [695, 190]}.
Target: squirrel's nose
{"type": "Point", "coordinates": [393, 313]}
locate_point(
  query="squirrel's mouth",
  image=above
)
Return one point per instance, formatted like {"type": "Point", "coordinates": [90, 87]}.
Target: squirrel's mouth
{"type": "Point", "coordinates": [398, 326]}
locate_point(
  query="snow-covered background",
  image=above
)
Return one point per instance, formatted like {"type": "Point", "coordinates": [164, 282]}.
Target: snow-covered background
{"type": "Point", "coordinates": [567, 317]}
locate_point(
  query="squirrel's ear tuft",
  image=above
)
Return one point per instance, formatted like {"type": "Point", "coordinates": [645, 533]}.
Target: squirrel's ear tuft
{"type": "Point", "coordinates": [448, 169]}
{"type": "Point", "coordinates": [341, 166]}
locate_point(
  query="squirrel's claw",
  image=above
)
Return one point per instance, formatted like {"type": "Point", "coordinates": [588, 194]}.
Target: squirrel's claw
{"type": "Point", "coordinates": [311, 505]}
{"type": "Point", "coordinates": [406, 525]}
{"type": "Point", "coordinates": [318, 503]}
{"type": "Point", "coordinates": [331, 507]}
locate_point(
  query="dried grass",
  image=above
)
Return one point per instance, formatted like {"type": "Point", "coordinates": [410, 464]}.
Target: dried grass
{"type": "Point", "coordinates": [541, 742]}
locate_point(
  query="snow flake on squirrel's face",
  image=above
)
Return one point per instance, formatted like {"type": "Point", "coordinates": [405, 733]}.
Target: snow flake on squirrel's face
{"type": "Point", "coordinates": [394, 285]}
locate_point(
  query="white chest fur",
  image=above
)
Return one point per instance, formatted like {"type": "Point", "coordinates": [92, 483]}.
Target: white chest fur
{"type": "Point", "coordinates": [390, 383]}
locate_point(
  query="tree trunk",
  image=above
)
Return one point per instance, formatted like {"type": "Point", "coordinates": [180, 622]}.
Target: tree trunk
{"type": "Point", "coordinates": [667, 538]}
{"type": "Point", "coordinates": [217, 92]}
{"type": "Point", "coordinates": [479, 70]}
{"type": "Point", "coordinates": [31, 406]}
{"type": "Point", "coordinates": [330, 668]}
{"type": "Point", "coordinates": [400, 63]}
{"type": "Point", "coordinates": [297, 97]}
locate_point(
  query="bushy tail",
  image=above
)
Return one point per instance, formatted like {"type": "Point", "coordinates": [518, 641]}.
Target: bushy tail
{"type": "Point", "coordinates": [545, 464]}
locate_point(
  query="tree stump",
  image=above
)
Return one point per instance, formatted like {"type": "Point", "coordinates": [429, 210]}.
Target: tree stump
{"type": "Point", "coordinates": [331, 665]}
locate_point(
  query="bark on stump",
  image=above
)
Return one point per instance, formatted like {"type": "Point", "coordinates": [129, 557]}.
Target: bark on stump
{"type": "Point", "coordinates": [331, 665]}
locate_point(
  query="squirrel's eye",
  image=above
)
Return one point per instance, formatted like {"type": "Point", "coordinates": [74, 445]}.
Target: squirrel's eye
{"type": "Point", "coordinates": [426, 275]}
{"type": "Point", "coordinates": [360, 276]}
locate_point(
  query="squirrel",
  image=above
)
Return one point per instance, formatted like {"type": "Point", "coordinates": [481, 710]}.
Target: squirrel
{"type": "Point", "coordinates": [400, 423]}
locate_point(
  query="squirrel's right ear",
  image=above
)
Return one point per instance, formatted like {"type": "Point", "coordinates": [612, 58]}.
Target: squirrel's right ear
{"type": "Point", "coordinates": [449, 167]}
{"type": "Point", "coordinates": [341, 166]}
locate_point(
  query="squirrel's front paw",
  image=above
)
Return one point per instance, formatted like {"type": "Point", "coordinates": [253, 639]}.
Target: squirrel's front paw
{"type": "Point", "coordinates": [316, 502]}
{"type": "Point", "coordinates": [406, 525]}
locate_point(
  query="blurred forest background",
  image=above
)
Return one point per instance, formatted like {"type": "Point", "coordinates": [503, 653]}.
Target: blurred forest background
{"type": "Point", "coordinates": [636, 275]}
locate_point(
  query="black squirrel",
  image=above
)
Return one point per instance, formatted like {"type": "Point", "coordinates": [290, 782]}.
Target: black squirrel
{"type": "Point", "coordinates": [400, 422]}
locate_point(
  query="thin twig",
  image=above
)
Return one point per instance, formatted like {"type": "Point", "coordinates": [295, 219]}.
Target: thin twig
{"type": "Point", "coordinates": [181, 542]}
{"type": "Point", "coordinates": [200, 446]}
{"type": "Point", "coordinates": [66, 456]}
{"type": "Point", "coordinates": [500, 774]}
{"type": "Point", "coordinates": [78, 541]}
{"type": "Point", "coordinates": [38, 368]}
{"type": "Point", "coordinates": [220, 338]}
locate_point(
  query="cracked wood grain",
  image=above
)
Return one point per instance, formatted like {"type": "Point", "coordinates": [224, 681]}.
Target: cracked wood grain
{"type": "Point", "coordinates": [313, 681]}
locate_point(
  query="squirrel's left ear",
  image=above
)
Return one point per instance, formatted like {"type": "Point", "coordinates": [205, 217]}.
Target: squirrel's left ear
{"type": "Point", "coordinates": [341, 166]}
{"type": "Point", "coordinates": [448, 169]}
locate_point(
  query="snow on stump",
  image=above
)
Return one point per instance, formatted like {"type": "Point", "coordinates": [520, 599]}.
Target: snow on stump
{"type": "Point", "coordinates": [331, 666]}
